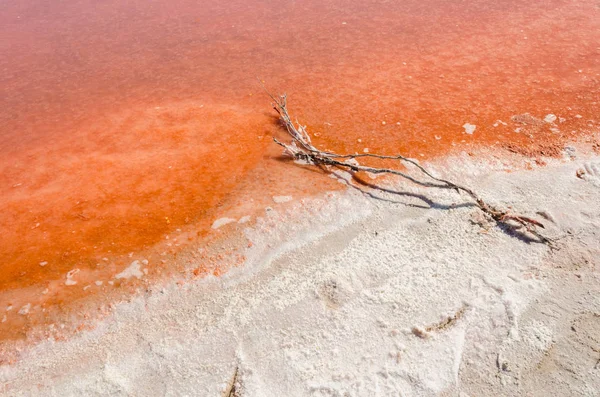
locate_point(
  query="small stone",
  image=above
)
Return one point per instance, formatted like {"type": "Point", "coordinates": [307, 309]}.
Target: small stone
{"type": "Point", "coordinates": [25, 309]}
{"type": "Point", "coordinates": [70, 275]}
{"type": "Point", "coordinates": [469, 128]}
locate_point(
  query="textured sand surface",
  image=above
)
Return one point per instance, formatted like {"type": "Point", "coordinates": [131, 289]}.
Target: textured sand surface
{"type": "Point", "coordinates": [412, 294]}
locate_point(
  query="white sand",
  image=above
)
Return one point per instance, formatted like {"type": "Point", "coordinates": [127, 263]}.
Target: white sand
{"type": "Point", "coordinates": [335, 290]}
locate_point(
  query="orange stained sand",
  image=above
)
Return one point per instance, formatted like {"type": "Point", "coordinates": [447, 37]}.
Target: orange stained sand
{"type": "Point", "coordinates": [121, 122]}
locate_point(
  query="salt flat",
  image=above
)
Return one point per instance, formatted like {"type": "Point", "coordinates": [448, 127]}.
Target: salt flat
{"type": "Point", "coordinates": [407, 291]}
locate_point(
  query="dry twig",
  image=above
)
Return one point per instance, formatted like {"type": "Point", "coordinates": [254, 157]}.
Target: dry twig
{"type": "Point", "coordinates": [301, 148]}
{"type": "Point", "coordinates": [231, 390]}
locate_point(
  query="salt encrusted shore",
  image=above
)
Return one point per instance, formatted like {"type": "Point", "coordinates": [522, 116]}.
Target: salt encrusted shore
{"type": "Point", "coordinates": [411, 293]}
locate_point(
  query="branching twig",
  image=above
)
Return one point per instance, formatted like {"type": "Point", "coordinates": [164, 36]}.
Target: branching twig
{"type": "Point", "coordinates": [301, 148]}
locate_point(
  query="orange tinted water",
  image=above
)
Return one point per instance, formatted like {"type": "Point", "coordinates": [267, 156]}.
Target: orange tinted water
{"type": "Point", "coordinates": [121, 122]}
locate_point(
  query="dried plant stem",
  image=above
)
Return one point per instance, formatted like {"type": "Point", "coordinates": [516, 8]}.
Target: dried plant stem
{"type": "Point", "coordinates": [301, 148]}
{"type": "Point", "coordinates": [231, 390]}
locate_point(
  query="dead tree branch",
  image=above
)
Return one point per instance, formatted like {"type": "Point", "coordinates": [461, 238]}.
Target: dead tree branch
{"type": "Point", "coordinates": [301, 148]}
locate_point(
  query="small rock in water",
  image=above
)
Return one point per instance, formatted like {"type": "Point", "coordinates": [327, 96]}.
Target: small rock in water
{"type": "Point", "coordinates": [469, 128]}
{"type": "Point", "coordinates": [25, 309]}
{"type": "Point", "coordinates": [70, 275]}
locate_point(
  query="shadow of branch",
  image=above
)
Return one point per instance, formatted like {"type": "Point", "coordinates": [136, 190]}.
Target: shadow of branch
{"type": "Point", "coordinates": [369, 189]}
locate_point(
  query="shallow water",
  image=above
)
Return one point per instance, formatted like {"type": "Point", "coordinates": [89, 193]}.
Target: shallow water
{"type": "Point", "coordinates": [121, 122]}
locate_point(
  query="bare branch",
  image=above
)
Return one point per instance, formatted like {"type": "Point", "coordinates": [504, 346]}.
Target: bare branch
{"type": "Point", "coordinates": [301, 148]}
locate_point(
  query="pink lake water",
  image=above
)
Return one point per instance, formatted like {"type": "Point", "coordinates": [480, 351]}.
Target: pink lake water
{"type": "Point", "coordinates": [122, 122]}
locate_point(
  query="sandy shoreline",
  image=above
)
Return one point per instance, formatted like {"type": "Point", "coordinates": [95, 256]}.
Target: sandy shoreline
{"type": "Point", "coordinates": [350, 295]}
{"type": "Point", "coordinates": [153, 239]}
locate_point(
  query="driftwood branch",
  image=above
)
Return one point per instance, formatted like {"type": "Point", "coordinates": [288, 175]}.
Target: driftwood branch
{"type": "Point", "coordinates": [301, 148]}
